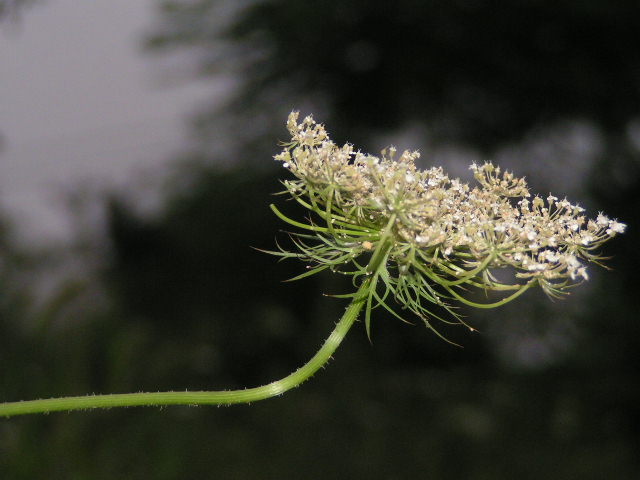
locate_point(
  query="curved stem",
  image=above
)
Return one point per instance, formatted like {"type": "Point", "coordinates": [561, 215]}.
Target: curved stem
{"type": "Point", "coordinates": [520, 291]}
{"type": "Point", "coordinates": [201, 398]}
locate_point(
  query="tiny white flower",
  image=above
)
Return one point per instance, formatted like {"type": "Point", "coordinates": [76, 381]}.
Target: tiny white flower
{"type": "Point", "coordinates": [602, 220]}
{"type": "Point", "coordinates": [586, 239]}
{"type": "Point", "coordinates": [616, 227]}
{"type": "Point", "coordinates": [572, 261]}
{"type": "Point", "coordinates": [552, 256]}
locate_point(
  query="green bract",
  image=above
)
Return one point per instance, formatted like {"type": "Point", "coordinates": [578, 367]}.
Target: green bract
{"type": "Point", "coordinates": [424, 239]}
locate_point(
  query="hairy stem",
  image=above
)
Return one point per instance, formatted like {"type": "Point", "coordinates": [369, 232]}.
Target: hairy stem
{"type": "Point", "coordinates": [201, 398]}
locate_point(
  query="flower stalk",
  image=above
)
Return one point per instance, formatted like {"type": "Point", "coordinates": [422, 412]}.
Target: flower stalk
{"type": "Point", "coordinates": [223, 397]}
{"type": "Point", "coordinates": [413, 236]}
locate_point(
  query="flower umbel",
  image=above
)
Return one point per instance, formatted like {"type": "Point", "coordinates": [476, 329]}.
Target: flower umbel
{"type": "Point", "coordinates": [422, 238]}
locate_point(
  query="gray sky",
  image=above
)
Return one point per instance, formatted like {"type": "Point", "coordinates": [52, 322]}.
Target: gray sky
{"type": "Point", "coordinates": [81, 105]}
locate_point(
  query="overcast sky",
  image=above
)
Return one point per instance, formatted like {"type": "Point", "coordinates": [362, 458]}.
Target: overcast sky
{"type": "Point", "coordinates": [81, 105]}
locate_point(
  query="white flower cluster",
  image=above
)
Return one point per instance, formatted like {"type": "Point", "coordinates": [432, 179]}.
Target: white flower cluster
{"type": "Point", "coordinates": [445, 221]}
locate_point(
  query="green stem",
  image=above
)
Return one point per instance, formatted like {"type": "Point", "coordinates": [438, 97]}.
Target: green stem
{"type": "Point", "coordinates": [379, 255]}
{"type": "Point", "coordinates": [201, 398]}
{"type": "Point", "coordinates": [520, 291]}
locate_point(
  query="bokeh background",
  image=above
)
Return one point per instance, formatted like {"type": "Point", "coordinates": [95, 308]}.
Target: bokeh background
{"type": "Point", "coordinates": [126, 234]}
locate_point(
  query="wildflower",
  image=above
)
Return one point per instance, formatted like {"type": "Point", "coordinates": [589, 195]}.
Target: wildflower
{"type": "Point", "coordinates": [412, 235]}
{"type": "Point", "coordinates": [430, 239]}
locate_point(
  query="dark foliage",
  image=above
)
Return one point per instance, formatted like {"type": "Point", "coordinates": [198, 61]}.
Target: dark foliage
{"type": "Point", "coordinates": [191, 305]}
{"type": "Point", "coordinates": [478, 72]}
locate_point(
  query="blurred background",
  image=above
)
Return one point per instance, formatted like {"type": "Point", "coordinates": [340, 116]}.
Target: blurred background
{"type": "Point", "coordinates": [135, 176]}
